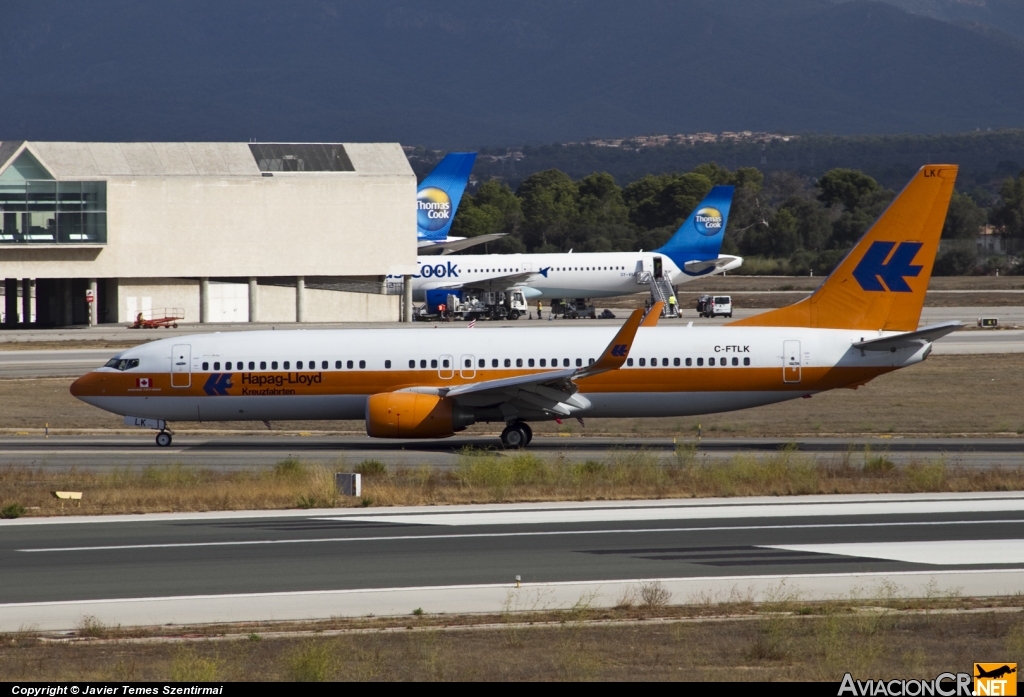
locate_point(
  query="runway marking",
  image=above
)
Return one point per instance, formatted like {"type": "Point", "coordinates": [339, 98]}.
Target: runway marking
{"type": "Point", "coordinates": [939, 553]}
{"type": "Point", "coordinates": [390, 538]}
{"type": "Point", "coordinates": [781, 510]}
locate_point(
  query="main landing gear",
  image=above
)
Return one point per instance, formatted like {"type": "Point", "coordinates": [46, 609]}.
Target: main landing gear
{"type": "Point", "coordinates": [163, 439]}
{"type": "Point", "coordinates": [517, 435]}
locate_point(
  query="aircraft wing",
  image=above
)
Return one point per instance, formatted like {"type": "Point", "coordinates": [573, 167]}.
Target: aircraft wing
{"type": "Point", "coordinates": [909, 339]}
{"type": "Point", "coordinates": [552, 392]}
{"type": "Point", "coordinates": [724, 262]}
{"type": "Point", "coordinates": [449, 246]}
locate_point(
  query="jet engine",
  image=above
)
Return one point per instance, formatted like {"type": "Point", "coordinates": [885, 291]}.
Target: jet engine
{"type": "Point", "coordinates": [414, 415]}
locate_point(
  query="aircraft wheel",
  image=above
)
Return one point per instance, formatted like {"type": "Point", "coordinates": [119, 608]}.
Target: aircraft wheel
{"type": "Point", "coordinates": [514, 436]}
{"type": "Point", "coordinates": [526, 429]}
{"type": "Point", "coordinates": [163, 439]}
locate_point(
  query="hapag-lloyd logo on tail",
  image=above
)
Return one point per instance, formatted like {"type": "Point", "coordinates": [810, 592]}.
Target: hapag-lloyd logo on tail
{"type": "Point", "coordinates": [889, 264]}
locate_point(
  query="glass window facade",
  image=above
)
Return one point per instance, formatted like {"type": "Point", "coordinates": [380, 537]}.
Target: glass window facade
{"type": "Point", "coordinates": [34, 208]}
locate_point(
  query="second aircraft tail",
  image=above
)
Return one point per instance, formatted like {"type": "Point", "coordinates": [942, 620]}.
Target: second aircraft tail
{"type": "Point", "coordinates": [439, 195]}
{"type": "Point", "coordinates": [699, 238]}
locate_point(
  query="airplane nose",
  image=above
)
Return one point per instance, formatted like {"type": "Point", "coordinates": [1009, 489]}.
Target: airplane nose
{"type": "Point", "coordinates": [87, 385]}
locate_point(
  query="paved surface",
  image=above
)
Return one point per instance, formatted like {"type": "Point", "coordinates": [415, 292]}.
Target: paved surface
{"type": "Point", "coordinates": [271, 565]}
{"type": "Point", "coordinates": [102, 453]}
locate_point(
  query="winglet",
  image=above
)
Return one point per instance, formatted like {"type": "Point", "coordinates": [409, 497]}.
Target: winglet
{"type": "Point", "coordinates": [653, 315]}
{"type": "Point", "coordinates": [614, 355]}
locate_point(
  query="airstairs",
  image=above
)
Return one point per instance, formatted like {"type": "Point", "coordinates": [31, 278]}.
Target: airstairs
{"type": "Point", "coordinates": [661, 290]}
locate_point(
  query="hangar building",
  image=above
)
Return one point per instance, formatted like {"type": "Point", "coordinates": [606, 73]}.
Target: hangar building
{"type": "Point", "coordinates": [268, 232]}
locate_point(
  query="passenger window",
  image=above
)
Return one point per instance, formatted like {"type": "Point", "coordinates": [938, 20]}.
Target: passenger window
{"type": "Point", "coordinates": [206, 366]}
{"type": "Point", "coordinates": [337, 365]}
{"type": "Point", "coordinates": [287, 364]}
{"type": "Point", "coordinates": [735, 361]}
{"type": "Point", "coordinates": [675, 362]}
{"type": "Point", "coordinates": [273, 365]}
{"type": "Point", "coordinates": [469, 363]}
{"type": "Point", "coordinates": [482, 363]}
{"type": "Point", "coordinates": [711, 361]}
{"type": "Point", "coordinates": [298, 365]}
{"type": "Point", "coordinates": [412, 364]}
{"type": "Point", "coordinates": [216, 365]}
{"type": "Point", "coordinates": [227, 366]}
{"type": "Point", "coordinates": [263, 365]}
{"type": "Point", "coordinates": [433, 363]}
{"type": "Point", "coordinates": [519, 362]}
{"type": "Point", "coordinates": [508, 362]}
{"type": "Point", "coordinates": [565, 362]}
{"type": "Point", "coordinates": [543, 362]}
{"type": "Point", "coordinates": [746, 361]}
{"type": "Point", "coordinates": [252, 365]}
{"type": "Point", "coordinates": [579, 362]}
{"type": "Point", "coordinates": [664, 362]}
{"type": "Point", "coordinates": [643, 362]}
{"type": "Point", "coordinates": [494, 362]}
{"type": "Point", "coordinates": [629, 361]}
{"type": "Point", "coordinates": [530, 362]}
{"type": "Point", "coordinates": [423, 363]}
{"type": "Point", "coordinates": [590, 362]}
{"type": "Point", "coordinates": [689, 362]}
{"type": "Point", "coordinates": [654, 362]}
{"type": "Point", "coordinates": [444, 363]}
{"type": "Point", "coordinates": [362, 364]}
{"type": "Point", "coordinates": [323, 366]}
{"type": "Point", "coordinates": [387, 364]}
{"type": "Point", "coordinates": [700, 361]}
{"type": "Point", "coordinates": [348, 364]}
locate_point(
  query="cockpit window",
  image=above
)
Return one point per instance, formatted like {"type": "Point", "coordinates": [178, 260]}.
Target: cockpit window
{"type": "Point", "coordinates": [122, 363]}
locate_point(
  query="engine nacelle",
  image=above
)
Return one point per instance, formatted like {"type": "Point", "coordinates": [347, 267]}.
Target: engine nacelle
{"type": "Point", "coordinates": [414, 415]}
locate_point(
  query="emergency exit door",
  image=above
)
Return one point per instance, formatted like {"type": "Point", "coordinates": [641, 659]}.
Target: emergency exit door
{"type": "Point", "coordinates": [791, 361]}
{"type": "Point", "coordinates": [181, 365]}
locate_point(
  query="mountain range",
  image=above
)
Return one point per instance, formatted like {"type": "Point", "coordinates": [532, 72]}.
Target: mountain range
{"type": "Point", "coordinates": [462, 74]}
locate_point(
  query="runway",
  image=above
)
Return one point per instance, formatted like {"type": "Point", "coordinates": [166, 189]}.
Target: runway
{"type": "Point", "coordinates": [103, 453]}
{"type": "Point", "coordinates": [214, 567]}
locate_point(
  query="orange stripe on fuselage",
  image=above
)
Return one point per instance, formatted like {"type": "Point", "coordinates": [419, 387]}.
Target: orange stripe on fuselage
{"type": "Point", "coordinates": [269, 384]}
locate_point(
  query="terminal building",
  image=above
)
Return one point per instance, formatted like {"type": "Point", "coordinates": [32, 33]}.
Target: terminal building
{"type": "Point", "coordinates": [219, 232]}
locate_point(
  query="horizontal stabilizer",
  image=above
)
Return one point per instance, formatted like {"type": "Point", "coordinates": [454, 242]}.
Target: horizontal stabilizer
{"type": "Point", "coordinates": [724, 262]}
{"type": "Point", "coordinates": [455, 245]}
{"type": "Point", "coordinates": [910, 339]}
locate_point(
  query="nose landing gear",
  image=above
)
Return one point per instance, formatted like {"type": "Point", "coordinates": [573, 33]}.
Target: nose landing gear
{"type": "Point", "coordinates": [516, 435]}
{"type": "Point", "coordinates": [163, 439]}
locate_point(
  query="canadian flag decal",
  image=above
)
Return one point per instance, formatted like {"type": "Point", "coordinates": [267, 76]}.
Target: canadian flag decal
{"type": "Point", "coordinates": [142, 382]}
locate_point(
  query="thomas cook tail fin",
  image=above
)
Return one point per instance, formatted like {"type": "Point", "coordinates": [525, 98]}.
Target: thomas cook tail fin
{"type": "Point", "coordinates": [439, 195]}
{"type": "Point", "coordinates": [695, 246]}
{"type": "Point", "coordinates": [881, 283]}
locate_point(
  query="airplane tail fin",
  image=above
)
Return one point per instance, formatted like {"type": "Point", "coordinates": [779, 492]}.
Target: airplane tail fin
{"type": "Point", "coordinates": [699, 238]}
{"type": "Point", "coordinates": [439, 195]}
{"type": "Point", "coordinates": [881, 283]}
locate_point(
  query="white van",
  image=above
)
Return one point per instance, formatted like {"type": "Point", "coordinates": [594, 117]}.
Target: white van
{"type": "Point", "coordinates": [715, 306]}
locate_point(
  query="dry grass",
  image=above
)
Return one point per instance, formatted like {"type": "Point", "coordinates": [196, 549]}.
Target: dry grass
{"type": "Point", "coordinates": [775, 641]}
{"type": "Point", "coordinates": [487, 477]}
{"type": "Point", "coordinates": [986, 390]}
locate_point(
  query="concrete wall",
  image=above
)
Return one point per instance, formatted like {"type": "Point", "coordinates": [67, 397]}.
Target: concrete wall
{"type": "Point", "coordinates": [229, 302]}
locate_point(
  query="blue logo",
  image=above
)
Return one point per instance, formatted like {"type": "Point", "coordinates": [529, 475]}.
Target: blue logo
{"type": "Point", "coordinates": [708, 221]}
{"type": "Point", "coordinates": [433, 208]}
{"type": "Point", "coordinates": [878, 266]}
{"type": "Point", "coordinates": [446, 270]}
{"type": "Point", "coordinates": [620, 349]}
{"type": "Point", "coordinates": [218, 384]}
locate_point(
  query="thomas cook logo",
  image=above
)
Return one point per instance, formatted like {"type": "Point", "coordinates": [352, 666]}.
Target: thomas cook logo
{"type": "Point", "coordinates": [995, 679]}
{"type": "Point", "coordinates": [708, 221]}
{"type": "Point", "coordinates": [433, 209]}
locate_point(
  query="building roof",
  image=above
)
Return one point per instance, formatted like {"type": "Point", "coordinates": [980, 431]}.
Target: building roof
{"type": "Point", "coordinates": [94, 160]}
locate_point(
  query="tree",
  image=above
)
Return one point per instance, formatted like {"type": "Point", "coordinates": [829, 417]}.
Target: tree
{"type": "Point", "coordinates": [1010, 215]}
{"type": "Point", "coordinates": [846, 187]}
{"type": "Point", "coordinates": [494, 209]}
{"type": "Point", "coordinates": [964, 219]}
{"type": "Point", "coordinates": [549, 202]}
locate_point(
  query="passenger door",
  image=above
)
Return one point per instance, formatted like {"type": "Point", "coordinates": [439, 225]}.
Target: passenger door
{"type": "Point", "coordinates": [791, 361]}
{"type": "Point", "coordinates": [181, 365]}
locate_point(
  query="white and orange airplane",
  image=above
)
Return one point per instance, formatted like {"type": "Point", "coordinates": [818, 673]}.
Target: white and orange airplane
{"type": "Point", "coordinates": [862, 322]}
